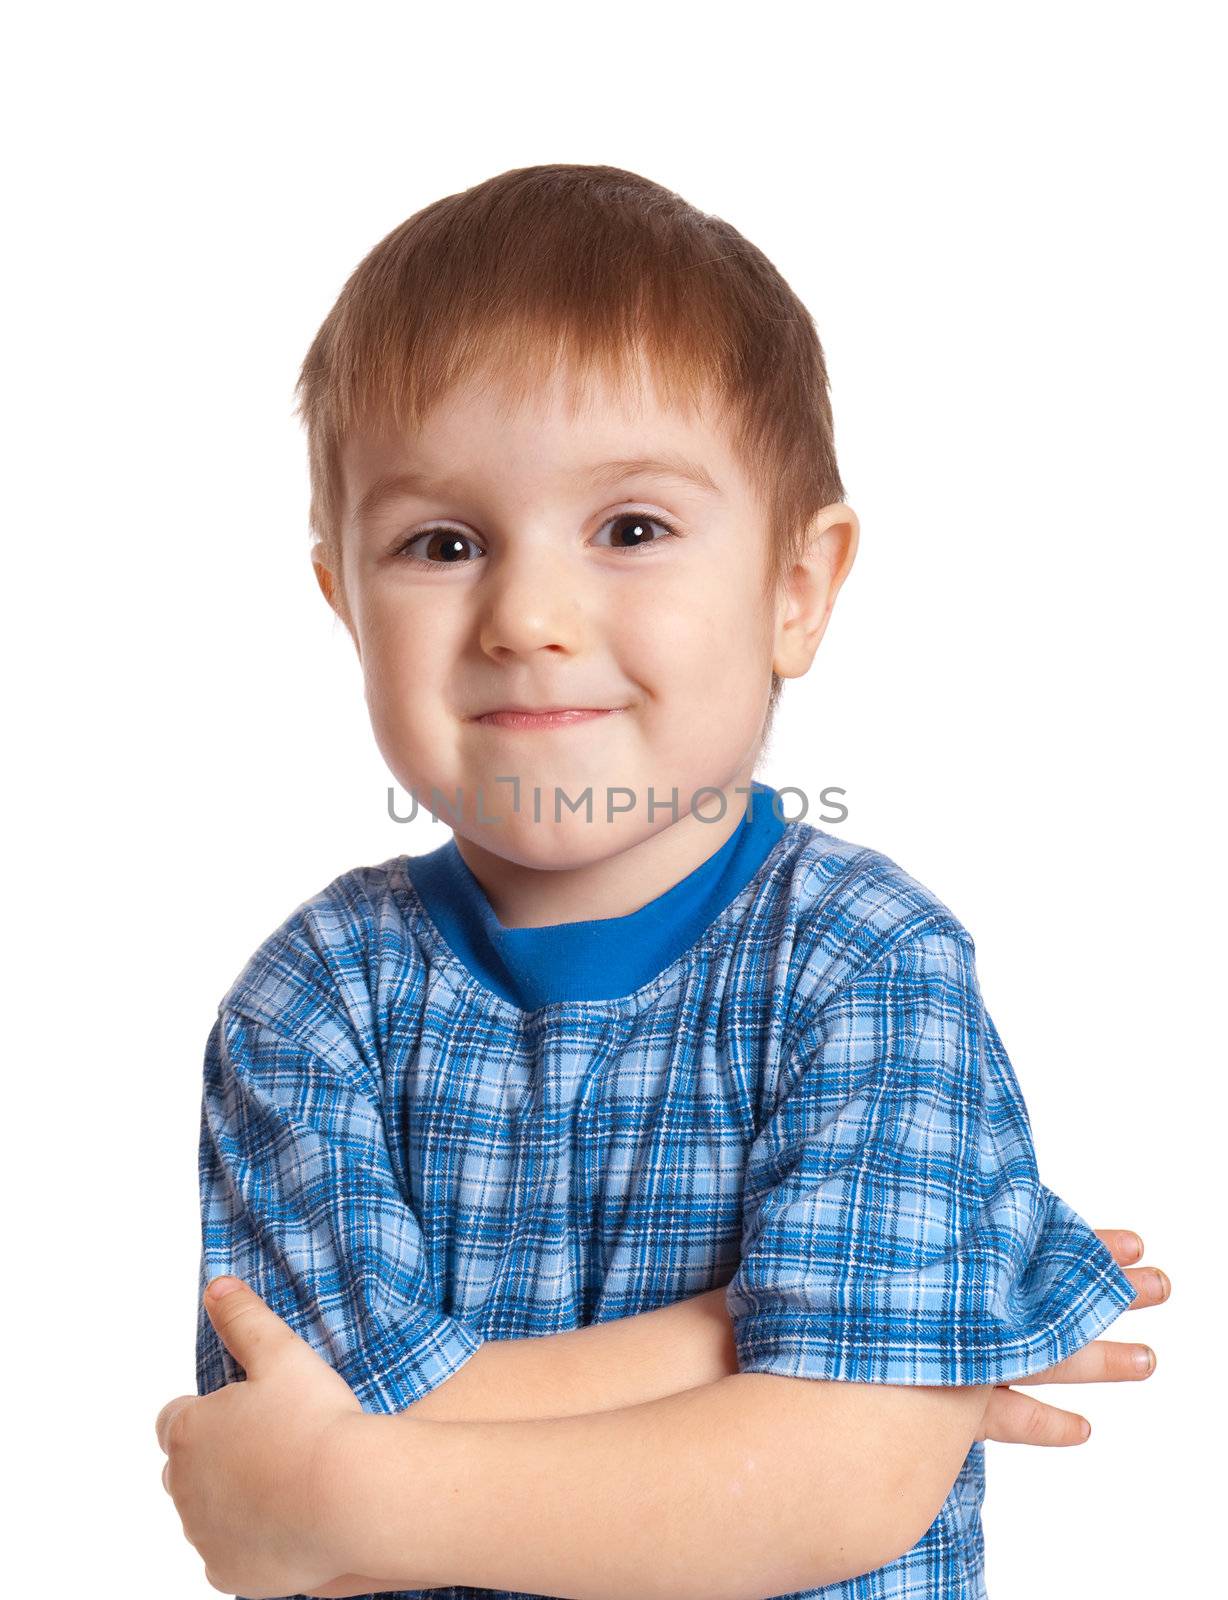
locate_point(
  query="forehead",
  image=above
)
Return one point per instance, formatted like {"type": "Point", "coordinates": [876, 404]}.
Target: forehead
{"type": "Point", "coordinates": [559, 432]}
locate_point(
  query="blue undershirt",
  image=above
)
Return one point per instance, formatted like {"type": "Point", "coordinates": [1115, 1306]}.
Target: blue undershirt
{"type": "Point", "coordinates": [602, 959]}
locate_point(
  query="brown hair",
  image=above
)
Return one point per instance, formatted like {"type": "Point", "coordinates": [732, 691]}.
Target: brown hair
{"type": "Point", "coordinates": [590, 265]}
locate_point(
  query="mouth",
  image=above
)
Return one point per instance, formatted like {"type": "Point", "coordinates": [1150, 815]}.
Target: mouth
{"type": "Point", "coordinates": [547, 717]}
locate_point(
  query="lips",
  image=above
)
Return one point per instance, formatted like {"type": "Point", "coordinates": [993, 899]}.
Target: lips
{"type": "Point", "coordinates": [551, 717]}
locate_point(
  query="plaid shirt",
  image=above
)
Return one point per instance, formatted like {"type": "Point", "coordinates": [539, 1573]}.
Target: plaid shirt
{"type": "Point", "coordinates": [809, 1105]}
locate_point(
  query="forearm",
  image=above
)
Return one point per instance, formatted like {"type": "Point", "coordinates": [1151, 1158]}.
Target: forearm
{"type": "Point", "coordinates": [753, 1485]}
{"type": "Point", "coordinates": [605, 1366]}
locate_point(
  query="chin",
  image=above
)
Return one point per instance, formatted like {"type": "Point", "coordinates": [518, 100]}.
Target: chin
{"type": "Point", "coordinates": [550, 846]}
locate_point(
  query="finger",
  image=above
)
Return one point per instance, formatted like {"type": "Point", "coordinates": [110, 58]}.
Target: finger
{"type": "Point", "coordinates": [1102, 1361]}
{"type": "Point", "coordinates": [1125, 1245]}
{"type": "Point", "coordinates": [1152, 1286]}
{"type": "Point", "coordinates": [1013, 1418]}
{"type": "Point", "coordinates": [248, 1326]}
{"type": "Point", "coordinates": [167, 1415]}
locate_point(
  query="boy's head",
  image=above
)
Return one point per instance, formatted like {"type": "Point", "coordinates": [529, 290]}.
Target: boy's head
{"type": "Point", "coordinates": [516, 348]}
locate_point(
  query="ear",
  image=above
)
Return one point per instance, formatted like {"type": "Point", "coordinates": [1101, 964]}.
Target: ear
{"type": "Point", "coordinates": [323, 574]}
{"type": "Point", "coordinates": [330, 587]}
{"type": "Point", "coordinates": [808, 591]}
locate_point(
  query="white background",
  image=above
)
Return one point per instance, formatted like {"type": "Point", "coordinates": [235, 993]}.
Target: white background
{"type": "Point", "coordinates": [1005, 220]}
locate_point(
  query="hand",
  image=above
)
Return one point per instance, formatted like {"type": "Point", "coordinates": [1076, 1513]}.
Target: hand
{"type": "Point", "coordinates": [245, 1463]}
{"type": "Point", "coordinates": [1014, 1418]}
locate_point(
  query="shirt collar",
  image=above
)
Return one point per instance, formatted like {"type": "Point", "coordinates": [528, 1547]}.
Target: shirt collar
{"type": "Point", "coordinates": [597, 960]}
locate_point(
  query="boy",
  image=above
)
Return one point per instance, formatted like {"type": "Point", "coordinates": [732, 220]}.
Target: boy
{"type": "Point", "coordinates": [629, 1043]}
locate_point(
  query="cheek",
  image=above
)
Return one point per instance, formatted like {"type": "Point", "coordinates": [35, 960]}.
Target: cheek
{"type": "Point", "coordinates": [407, 680]}
{"type": "Point", "coordinates": [409, 720]}
{"type": "Point", "coordinates": [711, 646]}
{"type": "Point", "coordinates": [676, 620]}
{"type": "Point", "coordinates": [407, 639]}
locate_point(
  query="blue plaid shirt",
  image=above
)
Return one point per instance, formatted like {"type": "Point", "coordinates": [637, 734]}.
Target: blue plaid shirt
{"type": "Point", "coordinates": [421, 1130]}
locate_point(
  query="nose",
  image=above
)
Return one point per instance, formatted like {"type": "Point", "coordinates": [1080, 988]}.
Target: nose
{"type": "Point", "coordinates": [530, 600]}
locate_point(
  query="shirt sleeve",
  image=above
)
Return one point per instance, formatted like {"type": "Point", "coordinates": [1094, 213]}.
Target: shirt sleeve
{"type": "Point", "coordinates": [298, 1198]}
{"type": "Point", "coordinates": [895, 1229]}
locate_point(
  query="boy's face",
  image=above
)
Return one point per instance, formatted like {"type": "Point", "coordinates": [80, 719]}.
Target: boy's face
{"type": "Point", "coordinates": [532, 573]}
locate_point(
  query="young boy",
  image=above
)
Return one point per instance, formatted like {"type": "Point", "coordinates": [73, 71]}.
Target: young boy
{"type": "Point", "coordinates": [634, 1105]}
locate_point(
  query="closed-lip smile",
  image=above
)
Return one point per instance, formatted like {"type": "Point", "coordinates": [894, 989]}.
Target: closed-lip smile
{"type": "Point", "coordinates": [543, 716]}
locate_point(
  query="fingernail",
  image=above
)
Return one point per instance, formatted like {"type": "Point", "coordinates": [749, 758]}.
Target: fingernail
{"type": "Point", "coordinates": [220, 1286]}
{"type": "Point", "coordinates": [1165, 1287]}
{"type": "Point", "coordinates": [1132, 1246]}
{"type": "Point", "coordinates": [1144, 1359]}
{"type": "Point", "coordinates": [1086, 1431]}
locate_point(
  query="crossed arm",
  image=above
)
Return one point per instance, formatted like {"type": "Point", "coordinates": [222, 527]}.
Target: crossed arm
{"type": "Point", "coordinates": [632, 1457]}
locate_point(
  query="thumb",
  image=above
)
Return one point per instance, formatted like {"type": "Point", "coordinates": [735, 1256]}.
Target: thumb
{"type": "Point", "coordinates": [251, 1330]}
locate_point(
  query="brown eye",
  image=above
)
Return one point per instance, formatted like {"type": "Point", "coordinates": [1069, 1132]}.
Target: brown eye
{"type": "Point", "coordinates": [447, 544]}
{"type": "Point", "coordinates": [634, 528]}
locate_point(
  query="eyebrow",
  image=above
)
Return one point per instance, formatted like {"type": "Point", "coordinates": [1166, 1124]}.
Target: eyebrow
{"type": "Point", "coordinates": [399, 485]}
